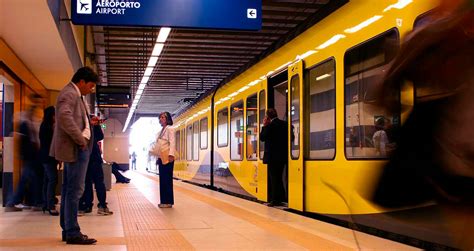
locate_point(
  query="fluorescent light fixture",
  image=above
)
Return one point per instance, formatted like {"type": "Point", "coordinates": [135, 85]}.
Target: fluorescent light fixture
{"type": "Point", "coordinates": [243, 89]}
{"type": "Point", "coordinates": [363, 24]}
{"type": "Point", "coordinates": [331, 41]}
{"type": "Point", "coordinates": [323, 77]}
{"type": "Point", "coordinates": [306, 54]}
{"type": "Point", "coordinates": [148, 71]}
{"type": "Point", "coordinates": [399, 5]}
{"type": "Point", "coordinates": [254, 82]}
{"type": "Point", "coordinates": [145, 80]}
{"type": "Point", "coordinates": [152, 62]}
{"type": "Point", "coordinates": [163, 35]}
{"type": "Point", "coordinates": [157, 50]}
{"type": "Point", "coordinates": [233, 94]}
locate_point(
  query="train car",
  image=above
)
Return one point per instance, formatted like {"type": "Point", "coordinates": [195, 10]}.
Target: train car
{"type": "Point", "coordinates": [193, 162]}
{"type": "Point", "coordinates": [324, 84]}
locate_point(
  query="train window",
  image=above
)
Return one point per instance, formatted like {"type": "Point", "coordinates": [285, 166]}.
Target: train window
{"type": "Point", "coordinates": [261, 115]}
{"type": "Point", "coordinates": [203, 139]}
{"type": "Point", "coordinates": [369, 127]}
{"type": "Point", "coordinates": [295, 116]}
{"type": "Point", "coordinates": [222, 127]}
{"type": "Point", "coordinates": [196, 140]}
{"type": "Point", "coordinates": [178, 146]}
{"type": "Point", "coordinates": [183, 144]}
{"type": "Point", "coordinates": [322, 111]}
{"type": "Point", "coordinates": [236, 130]}
{"type": "Point", "coordinates": [252, 127]}
{"type": "Point", "coordinates": [189, 142]}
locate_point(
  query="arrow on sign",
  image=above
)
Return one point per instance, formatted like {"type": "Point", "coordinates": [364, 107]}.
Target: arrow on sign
{"type": "Point", "coordinates": [251, 13]}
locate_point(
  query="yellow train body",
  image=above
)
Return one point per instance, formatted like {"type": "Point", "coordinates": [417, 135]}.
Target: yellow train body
{"type": "Point", "coordinates": [333, 186]}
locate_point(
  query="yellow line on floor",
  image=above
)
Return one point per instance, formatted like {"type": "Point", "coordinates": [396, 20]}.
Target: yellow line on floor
{"type": "Point", "coordinates": [297, 236]}
{"type": "Point", "coordinates": [145, 227]}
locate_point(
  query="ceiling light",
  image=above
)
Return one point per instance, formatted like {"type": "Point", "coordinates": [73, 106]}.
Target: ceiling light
{"type": "Point", "coordinates": [399, 5]}
{"type": "Point", "coordinates": [323, 77]}
{"type": "Point", "coordinates": [331, 41]}
{"type": "Point", "coordinates": [157, 50]}
{"type": "Point", "coordinates": [152, 62]}
{"type": "Point", "coordinates": [363, 24]}
{"type": "Point", "coordinates": [145, 80]}
{"type": "Point", "coordinates": [163, 35]}
{"type": "Point", "coordinates": [148, 71]}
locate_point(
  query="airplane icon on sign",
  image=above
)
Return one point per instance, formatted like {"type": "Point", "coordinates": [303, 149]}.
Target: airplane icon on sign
{"type": "Point", "coordinates": [84, 6]}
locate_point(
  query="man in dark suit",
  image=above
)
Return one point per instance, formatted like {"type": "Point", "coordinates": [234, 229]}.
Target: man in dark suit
{"type": "Point", "coordinates": [72, 144]}
{"type": "Point", "coordinates": [95, 174]}
{"type": "Point", "coordinates": [275, 135]}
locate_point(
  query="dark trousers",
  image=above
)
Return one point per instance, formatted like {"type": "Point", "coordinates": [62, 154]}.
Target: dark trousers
{"type": "Point", "coordinates": [29, 179]}
{"type": "Point", "coordinates": [50, 182]}
{"type": "Point", "coordinates": [166, 182]}
{"type": "Point", "coordinates": [95, 174]}
{"type": "Point", "coordinates": [118, 176]}
{"type": "Point", "coordinates": [277, 194]}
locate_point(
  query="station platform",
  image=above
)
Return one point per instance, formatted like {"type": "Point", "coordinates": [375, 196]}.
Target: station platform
{"type": "Point", "coordinates": [201, 219]}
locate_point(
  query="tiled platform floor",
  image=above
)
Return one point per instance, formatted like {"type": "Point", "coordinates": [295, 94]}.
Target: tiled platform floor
{"type": "Point", "coordinates": [201, 219]}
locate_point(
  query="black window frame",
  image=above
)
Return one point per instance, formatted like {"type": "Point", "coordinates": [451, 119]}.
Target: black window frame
{"type": "Point", "coordinates": [307, 122]}
{"type": "Point", "coordinates": [227, 127]}
{"type": "Point", "coordinates": [394, 29]}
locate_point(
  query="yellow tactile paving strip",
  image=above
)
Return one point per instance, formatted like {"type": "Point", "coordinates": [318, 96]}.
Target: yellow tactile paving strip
{"type": "Point", "coordinates": [53, 242]}
{"type": "Point", "coordinates": [145, 227]}
{"type": "Point", "coordinates": [297, 236]}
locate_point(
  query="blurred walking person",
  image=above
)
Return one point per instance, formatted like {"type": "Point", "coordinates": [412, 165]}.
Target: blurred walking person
{"type": "Point", "coordinates": [29, 154]}
{"type": "Point", "coordinates": [434, 158]}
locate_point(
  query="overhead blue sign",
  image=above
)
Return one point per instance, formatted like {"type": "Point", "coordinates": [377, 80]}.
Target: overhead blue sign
{"type": "Point", "coordinates": [207, 14]}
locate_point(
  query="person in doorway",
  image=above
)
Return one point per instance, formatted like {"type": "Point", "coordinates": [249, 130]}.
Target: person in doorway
{"type": "Point", "coordinates": [72, 144]}
{"type": "Point", "coordinates": [95, 174]}
{"type": "Point", "coordinates": [166, 144]}
{"type": "Point", "coordinates": [29, 154]}
{"type": "Point", "coordinates": [274, 134]}
{"type": "Point", "coordinates": [50, 164]}
{"type": "Point", "coordinates": [134, 161]}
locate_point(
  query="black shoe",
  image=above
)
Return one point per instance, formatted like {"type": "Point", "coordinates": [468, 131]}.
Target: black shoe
{"type": "Point", "coordinates": [52, 212]}
{"type": "Point", "coordinates": [80, 240]}
{"type": "Point", "coordinates": [64, 237]}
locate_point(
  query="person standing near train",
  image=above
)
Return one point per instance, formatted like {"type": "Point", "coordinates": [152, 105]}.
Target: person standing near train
{"type": "Point", "coordinates": [165, 149]}
{"type": "Point", "coordinates": [274, 134]}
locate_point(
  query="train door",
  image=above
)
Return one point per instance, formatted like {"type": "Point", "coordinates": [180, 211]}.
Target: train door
{"type": "Point", "coordinates": [295, 138]}
{"type": "Point", "coordinates": [278, 99]}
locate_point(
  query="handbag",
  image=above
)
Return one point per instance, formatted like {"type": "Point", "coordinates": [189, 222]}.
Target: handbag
{"type": "Point", "coordinates": [164, 151]}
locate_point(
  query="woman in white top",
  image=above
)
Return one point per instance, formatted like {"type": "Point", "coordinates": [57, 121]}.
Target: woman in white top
{"type": "Point", "coordinates": [166, 143]}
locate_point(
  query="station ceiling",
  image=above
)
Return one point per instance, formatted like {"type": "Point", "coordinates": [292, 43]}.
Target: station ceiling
{"type": "Point", "coordinates": [195, 61]}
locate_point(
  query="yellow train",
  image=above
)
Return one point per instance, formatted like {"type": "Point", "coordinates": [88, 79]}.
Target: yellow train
{"type": "Point", "coordinates": [324, 83]}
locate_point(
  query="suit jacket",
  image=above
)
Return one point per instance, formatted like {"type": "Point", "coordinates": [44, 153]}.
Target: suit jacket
{"type": "Point", "coordinates": [71, 119]}
{"type": "Point", "coordinates": [275, 136]}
